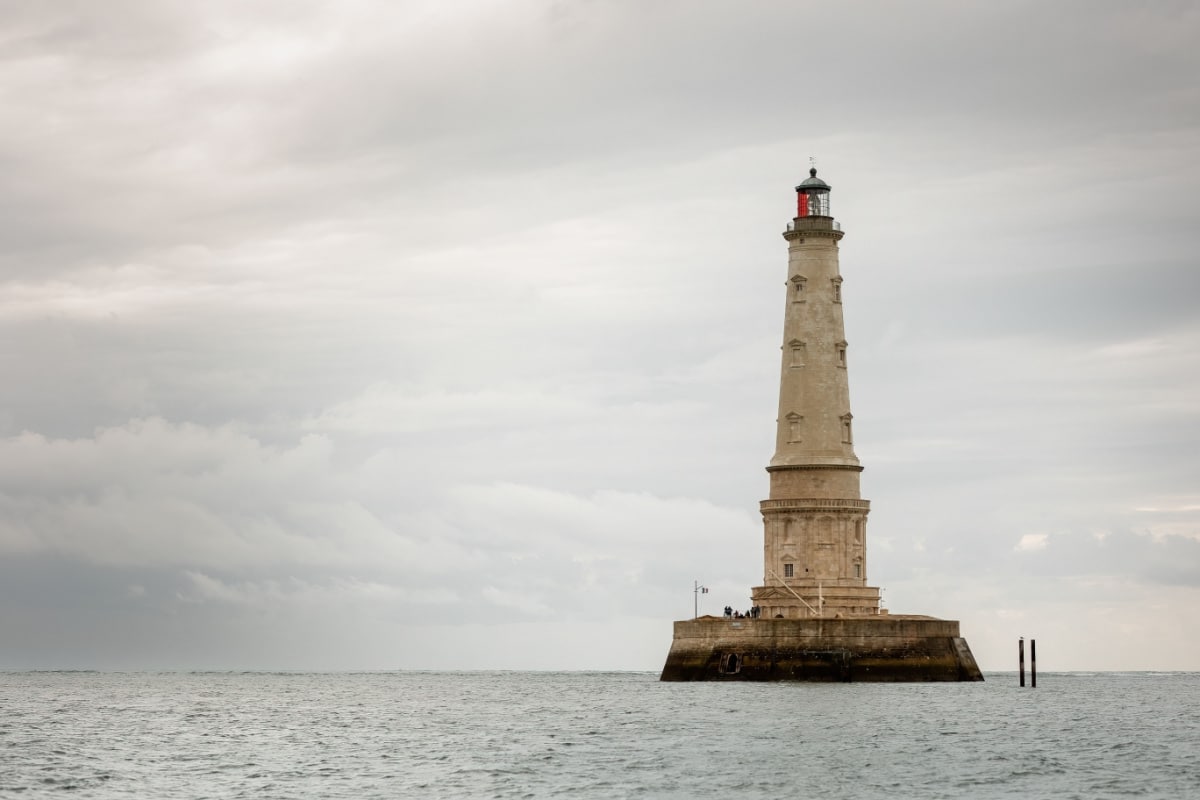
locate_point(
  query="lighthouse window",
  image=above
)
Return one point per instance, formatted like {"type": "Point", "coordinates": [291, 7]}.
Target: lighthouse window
{"type": "Point", "coordinates": [818, 205]}
{"type": "Point", "coordinates": [797, 353]}
{"type": "Point", "coordinates": [847, 434]}
{"type": "Point", "coordinates": [787, 570]}
{"type": "Point", "coordinates": [858, 570]}
{"type": "Point", "coordinates": [798, 282]}
{"type": "Point", "coordinates": [841, 354]}
{"type": "Point", "coordinates": [837, 290]}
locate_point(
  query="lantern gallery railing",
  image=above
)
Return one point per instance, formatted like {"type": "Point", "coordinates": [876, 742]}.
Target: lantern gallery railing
{"type": "Point", "coordinates": [833, 224]}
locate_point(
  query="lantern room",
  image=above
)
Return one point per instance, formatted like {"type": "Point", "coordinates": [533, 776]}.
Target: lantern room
{"type": "Point", "coordinates": [812, 197]}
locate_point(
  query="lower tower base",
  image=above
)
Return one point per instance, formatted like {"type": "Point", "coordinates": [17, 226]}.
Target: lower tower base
{"type": "Point", "coordinates": [882, 648]}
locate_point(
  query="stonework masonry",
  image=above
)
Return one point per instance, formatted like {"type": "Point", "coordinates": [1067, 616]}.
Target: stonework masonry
{"type": "Point", "coordinates": [817, 618]}
{"type": "Point", "coordinates": [880, 649]}
{"type": "Point", "coordinates": [814, 522]}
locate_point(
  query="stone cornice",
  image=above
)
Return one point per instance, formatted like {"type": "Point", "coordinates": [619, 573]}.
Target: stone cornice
{"type": "Point", "coordinates": [782, 467]}
{"type": "Point", "coordinates": [830, 234]}
{"type": "Point", "coordinates": [815, 504]}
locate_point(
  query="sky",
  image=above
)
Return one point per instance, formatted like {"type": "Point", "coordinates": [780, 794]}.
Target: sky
{"type": "Point", "coordinates": [445, 335]}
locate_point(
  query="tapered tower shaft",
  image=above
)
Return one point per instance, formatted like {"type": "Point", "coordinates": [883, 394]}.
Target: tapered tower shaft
{"type": "Point", "coordinates": [814, 542]}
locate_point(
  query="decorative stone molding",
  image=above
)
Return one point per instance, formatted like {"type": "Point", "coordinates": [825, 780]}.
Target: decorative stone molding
{"type": "Point", "coordinates": [797, 237]}
{"type": "Point", "coordinates": [798, 349]}
{"type": "Point", "coordinates": [815, 504]}
{"type": "Point", "coordinates": [798, 282]}
{"type": "Point", "coordinates": [782, 467]}
{"type": "Point", "coordinates": [795, 424]}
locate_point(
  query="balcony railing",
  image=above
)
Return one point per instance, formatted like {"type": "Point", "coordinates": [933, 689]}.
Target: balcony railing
{"type": "Point", "coordinates": [815, 503]}
{"type": "Point", "coordinates": [806, 224]}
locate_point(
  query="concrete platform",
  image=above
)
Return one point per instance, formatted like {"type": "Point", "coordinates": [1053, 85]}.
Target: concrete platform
{"type": "Point", "coordinates": [879, 648]}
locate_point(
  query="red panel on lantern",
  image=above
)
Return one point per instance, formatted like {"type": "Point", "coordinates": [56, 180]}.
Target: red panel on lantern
{"type": "Point", "coordinates": [803, 205]}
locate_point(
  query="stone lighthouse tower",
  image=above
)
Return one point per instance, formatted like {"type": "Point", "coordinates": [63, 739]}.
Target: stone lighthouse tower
{"type": "Point", "coordinates": [814, 543]}
{"type": "Point", "coordinates": [817, 619]}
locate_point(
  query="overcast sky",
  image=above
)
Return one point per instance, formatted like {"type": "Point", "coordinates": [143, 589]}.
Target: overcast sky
{"type": "Point", "coordinates": [342, 334]}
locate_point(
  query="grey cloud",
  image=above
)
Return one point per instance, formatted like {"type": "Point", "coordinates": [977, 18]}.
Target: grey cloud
{"type": "Point", "coordinates": [471, 313]}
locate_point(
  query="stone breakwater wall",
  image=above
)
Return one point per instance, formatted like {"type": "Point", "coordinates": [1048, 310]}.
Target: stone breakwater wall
{"type": "Point", "coordinates": [850, 649]}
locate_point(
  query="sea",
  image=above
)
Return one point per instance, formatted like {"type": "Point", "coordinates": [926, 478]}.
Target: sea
{"type": "Point", "coordinates": [593, 735]}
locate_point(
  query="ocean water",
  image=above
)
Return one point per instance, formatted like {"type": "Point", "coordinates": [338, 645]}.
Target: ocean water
{"type": "Point", "coordinates": [593, 735]}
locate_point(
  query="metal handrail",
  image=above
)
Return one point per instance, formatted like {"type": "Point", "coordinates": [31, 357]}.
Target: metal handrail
{"type": "Point", "coordinates": [833, 223]}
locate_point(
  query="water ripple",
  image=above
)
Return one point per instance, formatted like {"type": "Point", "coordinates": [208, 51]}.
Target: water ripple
{"type": "Point", "coordinates": [601, 735]}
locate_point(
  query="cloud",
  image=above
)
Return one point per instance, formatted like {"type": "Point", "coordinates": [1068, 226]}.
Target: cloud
{"type": "Point", "coordinates": [307, 596]}
{"type": "Point", "coordinates": [1032, 542]}
{"type": "Point", "coordinates": [397, 409]}
{"type": "Point", "coordinates": [470, 314]}
{"type": "Point", "coordinates": [249, 523]}
{"type": "Point", "coordinates": [156, 494]}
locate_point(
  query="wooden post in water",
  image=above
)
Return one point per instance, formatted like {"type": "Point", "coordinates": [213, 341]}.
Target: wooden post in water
{"type": "Point", "coordinates": [1021, 657]}
{"type": "Point", "coordinates": [1033, 663]}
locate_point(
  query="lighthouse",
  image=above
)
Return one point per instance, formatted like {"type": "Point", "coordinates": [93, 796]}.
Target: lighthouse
{"type": "Point", "coordinates": [815, 618]}
{"type": "Point", "coordinates": [814, 520]}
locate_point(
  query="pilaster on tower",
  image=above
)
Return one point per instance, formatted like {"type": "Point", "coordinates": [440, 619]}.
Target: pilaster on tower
{"type": "Point", "coordinates": [814, 519]}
